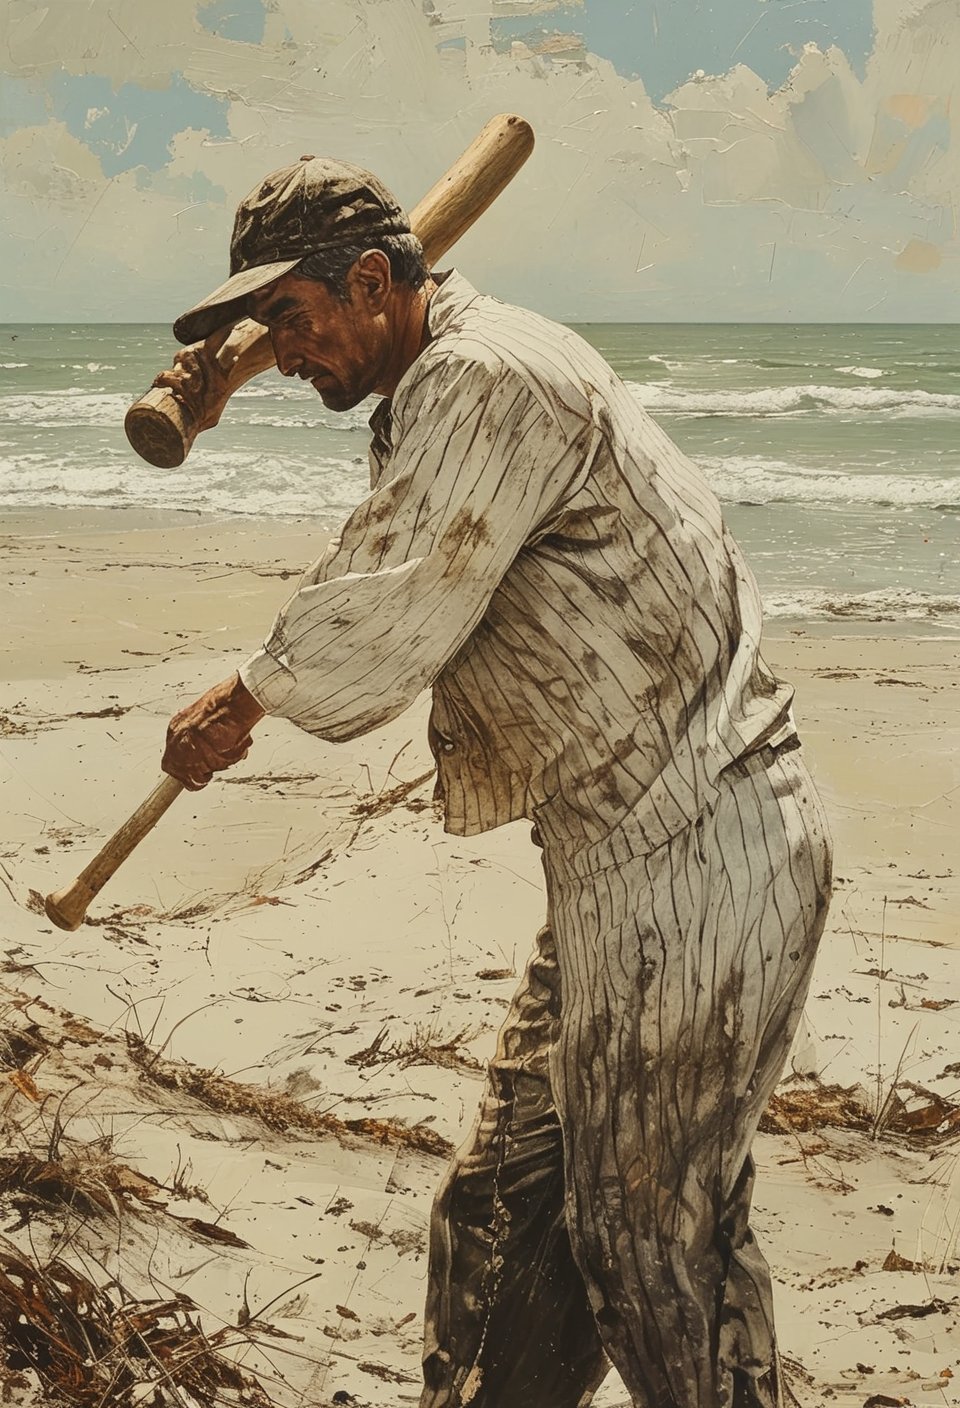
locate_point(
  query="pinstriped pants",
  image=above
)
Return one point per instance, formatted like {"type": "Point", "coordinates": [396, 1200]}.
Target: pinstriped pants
{"type": "Point", "coordinates": [599, 1211]}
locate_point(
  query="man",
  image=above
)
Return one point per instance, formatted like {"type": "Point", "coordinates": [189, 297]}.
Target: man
{"type": "Point", "coordinates": [537, 550]}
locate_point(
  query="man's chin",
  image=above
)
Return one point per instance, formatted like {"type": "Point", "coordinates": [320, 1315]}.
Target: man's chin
{"type": "Point", "coordinates": [336, 397]}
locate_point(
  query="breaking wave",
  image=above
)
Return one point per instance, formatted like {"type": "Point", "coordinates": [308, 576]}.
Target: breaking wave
{"type": "Point", "coordinates": [746, 479]}
{"type": "Point", "coordinates": [887, 604]}
{"type": "Point", "coordinates": [301, 406]}
{"type": "Point", "coordinates": [210, 481]}
{"type": "Point", "coordinates": [792, 400]}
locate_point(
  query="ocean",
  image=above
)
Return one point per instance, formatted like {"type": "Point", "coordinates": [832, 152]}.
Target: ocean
{"type": "Point", "coordinates": [835, 449]}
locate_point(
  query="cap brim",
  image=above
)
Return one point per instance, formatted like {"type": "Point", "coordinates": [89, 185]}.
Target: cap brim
{"type": "Point", "coordinates": [227, 303]}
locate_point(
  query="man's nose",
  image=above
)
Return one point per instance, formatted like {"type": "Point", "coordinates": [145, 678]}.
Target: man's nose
{"type": "Point", "coordinates": [289, 359]}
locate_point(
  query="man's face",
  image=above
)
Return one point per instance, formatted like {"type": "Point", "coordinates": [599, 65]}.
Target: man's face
{"type": "Point", "coordinates": [340, 347]}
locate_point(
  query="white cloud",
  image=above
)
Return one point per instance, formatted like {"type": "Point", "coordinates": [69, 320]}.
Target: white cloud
{"type": "Point", "coordinates": [832, 197]}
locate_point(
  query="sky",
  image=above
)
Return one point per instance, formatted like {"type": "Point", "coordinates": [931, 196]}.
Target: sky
{"type": "Point", "coordinates": [738, 160]}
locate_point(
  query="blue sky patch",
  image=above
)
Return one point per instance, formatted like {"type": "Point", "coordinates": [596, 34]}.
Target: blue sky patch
{"type": "Point", "coordinates": [663, 42]}
{"type": "Point", "coordinates": [21, 105]}
{"type": "Point", "coordinates": [235, 19]}
{"type": "Point", "coordinates": [132, 126]}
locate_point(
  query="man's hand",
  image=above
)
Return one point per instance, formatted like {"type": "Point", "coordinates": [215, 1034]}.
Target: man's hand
{"type": "Point", "coordinates": [212, 734]}
{"type": "Point", "coordinates": [198, 381]}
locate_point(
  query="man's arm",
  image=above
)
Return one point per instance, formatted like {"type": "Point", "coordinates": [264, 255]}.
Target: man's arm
{"type": "Point", "coordinates": [478, 464]}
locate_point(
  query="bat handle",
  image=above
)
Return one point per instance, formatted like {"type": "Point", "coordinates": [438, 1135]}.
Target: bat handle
{"type": "Point", "coordinates": [68, 907]}
{"type": "Point", "coordinates": [162, 430]}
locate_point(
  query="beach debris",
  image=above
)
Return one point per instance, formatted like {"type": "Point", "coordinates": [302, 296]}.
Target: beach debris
{"type": "Point", "coordinates": [277, 1110]}
{"type": "Point", "coordinates": [895, 1262]}
{"type": "Point", "coordinates": [426, 1045]}
{"type": "Point", "coordinates": [910, 1112]}
{"type": "Point", "coordinates": [213, 1232]}
{"type": "Point", "coordinates": [88, 1345]}
{"type": "Point", "coordinates": [388, 1375]}
{"type": "Point", "coordinates": [934, 1306]}
{"type": "Point", "coordinates": [811, 1105]}
{"type": "Point", "coordinates": [385, 800]}
{"type": "Point", "coordinates": [84, 1177]}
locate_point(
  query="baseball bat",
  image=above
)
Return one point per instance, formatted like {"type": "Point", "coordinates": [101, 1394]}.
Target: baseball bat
{"type": "Point", "coordinates": [68, 907]}
{"type": "Point", "coordinates": [160, 428]}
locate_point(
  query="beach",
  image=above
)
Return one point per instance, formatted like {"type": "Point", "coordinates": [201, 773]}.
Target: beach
{"type": "Point", "coordinates": [276, 1018]}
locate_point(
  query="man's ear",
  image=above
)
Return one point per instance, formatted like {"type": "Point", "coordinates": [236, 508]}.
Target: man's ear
{"type": "Point", "coordinates": [371, 280]}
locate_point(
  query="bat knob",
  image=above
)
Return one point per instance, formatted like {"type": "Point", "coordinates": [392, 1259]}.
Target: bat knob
{"type": "Point", "coordinates": [157, 428]}
{"type": "Point", "coordinates": [68, 908]}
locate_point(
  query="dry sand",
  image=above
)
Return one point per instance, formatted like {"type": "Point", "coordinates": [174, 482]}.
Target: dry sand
{"type": "Point", "coordinates": [305, 928]}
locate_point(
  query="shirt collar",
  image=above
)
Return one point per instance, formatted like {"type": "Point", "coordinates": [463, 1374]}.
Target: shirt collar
{"type": "Point", "coordinates": [451, 296]}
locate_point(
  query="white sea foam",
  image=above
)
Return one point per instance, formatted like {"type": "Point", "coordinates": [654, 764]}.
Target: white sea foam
{"type": "Point", "coordinates": [80, 406]}
{"type": "Point", "coordinates": [298, 392]}
{"type": "Point", "coordinates": [754, 479]}
{"type": "Point", "coordinates": [215, 481]}
{"type": "Point", "coordinates": [92, 367]}
{"type": "Point", "coordinates": [74, 406]}
{"type": "Point", "coordinates": [868, 373]}
{"type": "Point", "coordinates": [312, 414]}
{"type": "Point", "coordinates": [12, 366]}
{"type": "Point", "coordinates": [887, 604]}
{"type": "Point", "coordinates": [792, 400]}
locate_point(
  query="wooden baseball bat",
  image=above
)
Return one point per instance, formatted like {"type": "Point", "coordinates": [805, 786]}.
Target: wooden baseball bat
{"type": "Point", "coordinates": [158, 430]}
{"type": "Point", "coordinates": [68, 907]}
{"type": "Point", "coordinates": [162, 431]}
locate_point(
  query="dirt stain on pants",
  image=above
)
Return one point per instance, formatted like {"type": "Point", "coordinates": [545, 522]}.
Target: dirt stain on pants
{"type": "Point", "coordinates": [599, 1211]}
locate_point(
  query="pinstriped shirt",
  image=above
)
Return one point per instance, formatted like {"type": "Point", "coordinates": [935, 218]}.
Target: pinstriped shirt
{"type": "Point", "coordinates": [537, 549]}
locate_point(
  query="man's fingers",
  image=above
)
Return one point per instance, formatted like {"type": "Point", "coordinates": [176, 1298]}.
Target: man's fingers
{"type": "Point", "coordinates": [185, 380]}
{"type": "Point", "coordinates": [192, 780]}
{"type": "Point", "coordinates": [211, 734]}
{"type": "Point", "coordinates": [238, 752]}
{"type": "Point", "coordinates": [193, 761]}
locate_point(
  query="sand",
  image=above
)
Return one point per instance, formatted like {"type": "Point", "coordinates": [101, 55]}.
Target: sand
{"type": "Point", "coordinates": [305, 928]}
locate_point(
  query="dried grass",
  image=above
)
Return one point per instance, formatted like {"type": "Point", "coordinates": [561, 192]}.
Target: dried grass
{"type": "Point", "coordinates": [427, 1045]}
{"type": "Point", "coordinates": [86, 1179]}
{"type": "Point", "coordinates": [97, 1347]}
{"type": "Point", "coordinates": [274, 1109]}
{"type": "Point", "coordinates": [911, 1113]}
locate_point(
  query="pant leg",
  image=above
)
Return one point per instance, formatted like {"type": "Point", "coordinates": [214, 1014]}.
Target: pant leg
{"type": "Point", "coordinates": [508, 1322]}
{"type": "Point", "coordinates": [684, 974]}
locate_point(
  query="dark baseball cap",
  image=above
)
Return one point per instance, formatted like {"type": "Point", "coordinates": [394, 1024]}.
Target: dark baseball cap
{"type": "Point", "coordinates": [316, 204]}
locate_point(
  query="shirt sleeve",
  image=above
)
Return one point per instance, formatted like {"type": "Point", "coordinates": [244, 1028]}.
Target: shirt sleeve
{"type": "Point", "coordinates": [479, 462]}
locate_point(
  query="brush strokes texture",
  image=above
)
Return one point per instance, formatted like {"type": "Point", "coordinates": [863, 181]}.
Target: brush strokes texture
{"type": "Point", "coordinates": [757, 162]}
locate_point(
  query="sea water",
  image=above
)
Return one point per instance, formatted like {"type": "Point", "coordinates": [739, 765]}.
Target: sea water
{"type": "Point", "coordinates": [834, 449]}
